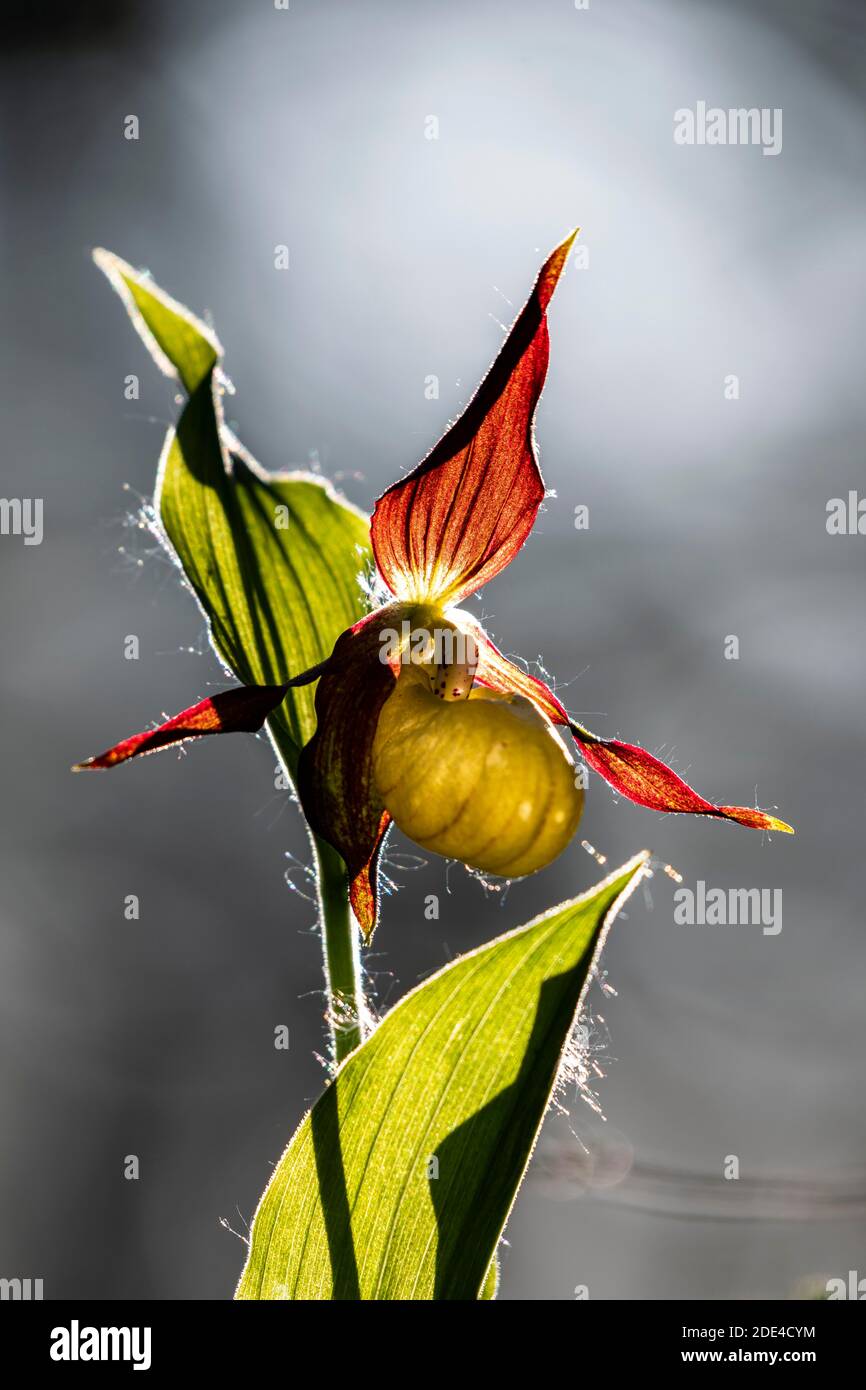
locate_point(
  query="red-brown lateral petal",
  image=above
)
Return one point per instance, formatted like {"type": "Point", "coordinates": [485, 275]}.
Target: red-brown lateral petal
{"type": "Point", "coordinates": [335, 777]}
{"type": "Point", "coordinates": [461, 516]}
{"type": "Point", "coordinates": [630, 770]}
{"type": "Point", "coordinates": [243, 710]}
{"type": "Point", "coordinates": [649, 782]}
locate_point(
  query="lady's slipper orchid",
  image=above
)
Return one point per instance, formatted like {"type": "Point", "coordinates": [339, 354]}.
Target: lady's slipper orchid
{"type": "Point", "coordinates": [420, 719]}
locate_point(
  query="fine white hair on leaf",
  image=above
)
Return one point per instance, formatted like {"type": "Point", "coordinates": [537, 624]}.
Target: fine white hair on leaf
{"type": "Point", "coordinates": [244, 1239]}
{"type": "Point", "coordinates": [584, 1058]}
{"type": "Point", "coordinates": [141, 527]}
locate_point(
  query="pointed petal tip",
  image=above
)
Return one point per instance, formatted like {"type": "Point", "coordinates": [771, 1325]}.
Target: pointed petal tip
{"type": "Point", "coordinates": [754, 819]}
{"type": "Point", "coordinates": [242, 709]}
{"type": "Point", "coordinates": [565, 245]}
{"type": "Point", "coordinates": [552, 269]}
{"type": "Point", "coordinates": [101, 762]}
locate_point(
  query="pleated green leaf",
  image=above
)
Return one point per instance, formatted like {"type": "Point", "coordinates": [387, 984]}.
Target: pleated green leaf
{"type": "Point", "coordinates": [398, 1183]}
{"type": "Point", "coordinates": [275, 560]}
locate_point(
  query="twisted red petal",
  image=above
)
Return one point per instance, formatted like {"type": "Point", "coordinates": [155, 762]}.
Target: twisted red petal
{"type": "Point", "coordinates": [462, 515]}
{"type": "Point", "coordinates": [630, 770]}
{"type": "Point", "coordinates": [243, 710]}
{"type": "Point", "coordinates": [335, 776]}
{"type": "Point", "coordinates": [649, 782]}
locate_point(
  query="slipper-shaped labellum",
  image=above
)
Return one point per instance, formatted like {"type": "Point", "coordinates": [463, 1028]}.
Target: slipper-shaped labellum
{"type": "Point", "coordinates": [457, 745]}
{"type": "Point", "coordinates": [471, 774]}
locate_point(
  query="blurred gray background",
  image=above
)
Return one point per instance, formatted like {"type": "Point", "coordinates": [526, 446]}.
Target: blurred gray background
{"type": "Point", "coordinates": [707, 518]}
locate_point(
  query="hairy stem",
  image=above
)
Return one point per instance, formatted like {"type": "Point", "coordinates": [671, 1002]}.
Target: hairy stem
{"type": "Point", "coordinates": [342, 952]}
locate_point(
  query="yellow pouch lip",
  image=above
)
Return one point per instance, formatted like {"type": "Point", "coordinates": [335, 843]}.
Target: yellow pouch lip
{"type": "Point", "coordinates": [485, 780]}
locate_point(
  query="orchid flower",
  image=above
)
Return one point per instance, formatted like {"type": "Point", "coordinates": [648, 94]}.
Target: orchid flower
{"type": "Point", "coordinates": [421, 721]}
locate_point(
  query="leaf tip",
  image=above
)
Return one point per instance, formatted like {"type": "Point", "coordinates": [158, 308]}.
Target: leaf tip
{"type": "Point", "coordinates": [187, 357]}
{"type": "Point", "coordinates": [102, 258]}
{"type": "Point", "coordinates": [115, 270]}
{"type": "Point", "coordinates": [635, 869]}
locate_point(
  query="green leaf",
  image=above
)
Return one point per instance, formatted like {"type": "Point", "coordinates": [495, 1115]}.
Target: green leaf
{"type": "Point", "coordinates": [180, 344]}
{"type": "Point", "coordinates": [491, 1281]}
{"type": "Point", "coordinates": [278, 586]}
{"type": "Point", "coordinates": [462, 1071]}
{"type": "Point", "coordinates": [274, 560]}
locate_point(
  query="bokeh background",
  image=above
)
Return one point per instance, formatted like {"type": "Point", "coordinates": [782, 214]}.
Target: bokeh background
{"type": "Point", "coordinates": [261, 127]}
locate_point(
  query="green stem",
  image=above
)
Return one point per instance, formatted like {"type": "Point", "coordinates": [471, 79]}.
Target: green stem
{"type": "Point", "coordinates": [342, 951]}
